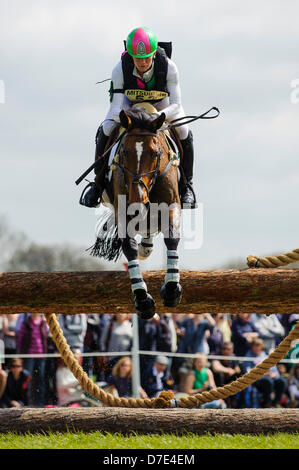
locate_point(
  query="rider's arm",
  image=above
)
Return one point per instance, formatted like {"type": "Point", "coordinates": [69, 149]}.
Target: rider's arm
{"type": "Point", "coordinates": [117, 98]}
{"type": "Point", "coordinates": [174, 90]}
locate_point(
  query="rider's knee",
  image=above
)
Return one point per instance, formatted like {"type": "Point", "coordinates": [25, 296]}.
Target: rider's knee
{"type": "Point", "coordinates": [183, 131]}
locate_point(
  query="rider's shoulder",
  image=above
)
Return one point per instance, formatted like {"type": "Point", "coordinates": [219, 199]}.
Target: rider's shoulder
{"type": "Point", "coordinates": [117, 67]}
{"type": "Point", "coordinates": [172, 71]}
{"type": "Point", "coordinates": [117, 71]}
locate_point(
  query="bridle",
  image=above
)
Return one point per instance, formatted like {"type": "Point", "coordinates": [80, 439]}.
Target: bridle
{"type": "Point", "coordinates": [137, 177]}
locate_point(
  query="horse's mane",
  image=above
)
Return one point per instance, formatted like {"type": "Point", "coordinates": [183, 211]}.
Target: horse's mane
{"type": "Point", "coordinates": [141, 118]}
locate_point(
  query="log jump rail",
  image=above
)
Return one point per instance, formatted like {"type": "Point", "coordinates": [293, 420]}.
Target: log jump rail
{"type": "Point", "coordinates": [232, 291]}
{"type": "Point", "coordinates": [148, 421]}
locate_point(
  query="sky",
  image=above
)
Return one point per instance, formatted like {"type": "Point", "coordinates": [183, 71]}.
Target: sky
{"type": "Point", "coordinates": [239, 56]}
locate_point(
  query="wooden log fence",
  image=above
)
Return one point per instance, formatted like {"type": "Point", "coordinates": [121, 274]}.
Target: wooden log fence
{"type": "Point", "coordinates": [148, 421]}
{"type": "Point", "coordinates": [230, 291]}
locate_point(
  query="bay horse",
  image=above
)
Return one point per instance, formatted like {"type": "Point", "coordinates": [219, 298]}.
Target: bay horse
{"type": "Point", "coordinates": [144, 179]}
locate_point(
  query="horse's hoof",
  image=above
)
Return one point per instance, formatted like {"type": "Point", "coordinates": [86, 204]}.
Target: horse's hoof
{"type": "Point", "coordinates": [171, 294]}
{"type": "Point", "coordinates": [144, 304]}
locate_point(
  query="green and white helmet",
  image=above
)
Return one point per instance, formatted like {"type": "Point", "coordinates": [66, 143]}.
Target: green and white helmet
{"type": "Point", "coordinates": [141, 43]}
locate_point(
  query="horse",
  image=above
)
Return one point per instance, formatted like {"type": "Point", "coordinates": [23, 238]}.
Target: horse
{"type": "Point", "coordinates": [144, 180]}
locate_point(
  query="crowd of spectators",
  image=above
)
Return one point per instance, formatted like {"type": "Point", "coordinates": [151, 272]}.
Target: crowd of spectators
{"type": "Point", "coordinates": [242, 340]}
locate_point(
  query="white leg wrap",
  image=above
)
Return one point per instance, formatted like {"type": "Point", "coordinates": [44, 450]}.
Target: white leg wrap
{"type": "Point", "coordinates": [137, 281]}
{"type": "Point", "coordinates": [145, 248]}
{"type": "Point", "coordinates": [173, 274]}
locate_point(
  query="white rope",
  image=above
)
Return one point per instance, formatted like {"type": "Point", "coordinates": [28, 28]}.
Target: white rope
{"type": "Point", "coordinates": [145, 353]}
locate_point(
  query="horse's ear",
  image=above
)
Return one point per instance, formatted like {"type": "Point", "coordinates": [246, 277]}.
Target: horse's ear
{"type": "Point", "coordinates": [125, 120]}
{"type": "Point", "coordinates": [157, 123]}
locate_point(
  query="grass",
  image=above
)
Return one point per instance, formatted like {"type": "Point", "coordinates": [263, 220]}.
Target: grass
{"type": "Point", "coordinates": [98, 440]}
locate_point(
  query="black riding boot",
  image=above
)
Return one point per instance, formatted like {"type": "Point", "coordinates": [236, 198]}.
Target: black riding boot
{"type": "Point", "coordinates": [188, 198]}
{"type": "Point", "coordinates": [93, 196]}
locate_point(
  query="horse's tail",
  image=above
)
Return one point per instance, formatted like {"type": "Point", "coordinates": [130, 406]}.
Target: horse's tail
{"type": "Point", "coordinates": [108, 245]}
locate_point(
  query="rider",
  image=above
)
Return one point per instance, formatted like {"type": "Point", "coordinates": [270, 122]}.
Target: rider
{"type": "Point", "coordinates": [144, 69]}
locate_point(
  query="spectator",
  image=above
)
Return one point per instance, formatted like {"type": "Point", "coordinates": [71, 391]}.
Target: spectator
{"type": "Point", "coordinates": [16, 393]}
{"type": "Point", "coordinates": [3, 379]}
{"type": "Point", "coordinates": [148, 332]}
{"type": "Point", "coordinates": [101, 363]}
{"type": "Point", "coordinates": [9, 326]}
{"type": "Point", "coordinates": [50, 372]}
{"type": "Point", "coordinates": [74, 329]}
{"type": "Point", "coordinates": [166, 334]}
{"type": "Point", "coordinates": [294, 352]}
{"type": "Point", "coordinates": [215, 339]}
{"type": "Point", "coordinates": [194, 332]}
{"type": "Point", "coordinates": [91, 342]}
{"type": "Point", "coordinates": [243, 333]}
{"type": "Point", "coordinates": [288, 321]}
{"type": "Point", "coordinates": [21, 318]}
{"type": "Point", "coordinates": [200, 379]}
{"type": "Point", "coordinates": [193, 329]}
{"type": "Point", "coordinates": [69, 391]}
{"type": "Point", "coordinates": [32, 339]}
{"type": "Point", "coordinates": [120, 381]}
{"type": "Point", "coordinates": [223, 321]}
{"type": "Point", "coordinates": [1, 327]}
{"type": "Point", "coordinates": [270, 329]}
{"type": "Point", "coordinates": [271, 382]}
{"type": "Point", "coordinates": [177, 361]}
{"type": "Point", "coordinates": [157, 378]}
{"type": "Point", "coordinates": [177, 319]}
{"type": "Point", "coordinates": [293, 387]}
{"type": "Point", "coordinates": [117, 335]}
{"type": "Point", "coordinates": [225, 370]}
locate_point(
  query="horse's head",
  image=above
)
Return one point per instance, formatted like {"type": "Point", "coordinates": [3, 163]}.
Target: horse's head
{"type": "Point", "coordinates": [140, 153]}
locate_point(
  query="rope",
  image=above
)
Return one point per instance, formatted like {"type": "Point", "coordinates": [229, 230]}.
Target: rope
{"type": "Point", "coordinates": [273, 261]}
{"type": "Point", "coordinates": [166, 399]}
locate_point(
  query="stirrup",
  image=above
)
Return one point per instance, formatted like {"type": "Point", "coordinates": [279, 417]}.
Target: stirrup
{"type": "Point", "coordinates": [88, 186]}
{"type": "Point", "coordinates": [193, 205]}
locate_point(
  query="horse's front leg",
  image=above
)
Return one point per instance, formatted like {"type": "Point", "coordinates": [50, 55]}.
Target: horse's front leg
{"type": "Point", "coordinates": [171, 290]}
{"type": "Point", "coordinates": [144, 303]}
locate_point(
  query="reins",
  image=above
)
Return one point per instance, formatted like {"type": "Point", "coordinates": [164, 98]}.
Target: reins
{"type": "Point", "coordinates": [173, 124]}
{"type": "Point", "coordinates": [89, 169]}
{"type": "Point", "coordinates": [178, 122]}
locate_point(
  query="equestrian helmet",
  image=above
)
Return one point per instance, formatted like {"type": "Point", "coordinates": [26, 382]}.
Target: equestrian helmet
{"type": "Point", "coordinates": [141, 42]}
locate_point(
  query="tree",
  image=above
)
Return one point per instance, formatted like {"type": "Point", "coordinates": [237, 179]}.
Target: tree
{"type": "Point", "coordinates": [10, 240]}
{"type": "Point", "coordinates": [35, 257]}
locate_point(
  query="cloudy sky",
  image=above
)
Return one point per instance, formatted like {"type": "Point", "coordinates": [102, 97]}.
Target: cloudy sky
{"type": "Point", "coordinates": [239, 56]}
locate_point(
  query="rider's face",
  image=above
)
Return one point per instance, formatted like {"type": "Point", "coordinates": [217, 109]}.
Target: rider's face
{"type": "Point", "coordinates": [144, 64]}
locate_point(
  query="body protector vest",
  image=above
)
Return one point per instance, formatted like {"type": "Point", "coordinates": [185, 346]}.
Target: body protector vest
{"type": "Point", "coordinates": [136, 89]}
